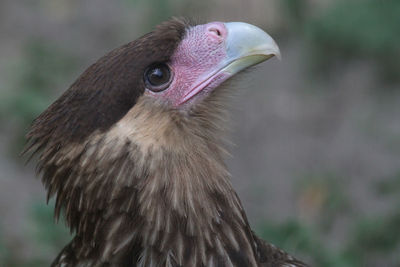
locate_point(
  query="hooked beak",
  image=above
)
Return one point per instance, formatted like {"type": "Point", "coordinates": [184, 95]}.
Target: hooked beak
{"type": "Point", "coordinates": [247, 45]}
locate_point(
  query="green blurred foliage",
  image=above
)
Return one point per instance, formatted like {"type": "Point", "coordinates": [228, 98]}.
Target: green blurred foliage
{"type": "Point", "coordinates": [323, 192]}
{"type": "Point", "coordinates": [159, 10]}
{"type": "Point", "coordinates": [349, 29]}
{"type": "Point", "coordinates": [346, 30]}
{"type": "Point", "coordinates": [375, 238]}
{"type": "Point", "coordinates": [3, 250]}
{"type": "Point", "coordinates": [45, 67]}
{"type": "Point", "coordinates": [389, 186]}
{"type": "Point", "coordinates": [44, 236]}
{"type": "Point", "coordinates": [371, 240]}
{"type": "Point", "coordinates": [300, 239]}
{"type": "Point", "coordinates": [295, 12]}
{"type": "Point", "coordinates": [53, 236]}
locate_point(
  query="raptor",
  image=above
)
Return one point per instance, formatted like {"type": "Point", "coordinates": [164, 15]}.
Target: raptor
{"type": "Point", "coordinates": [133, 152]}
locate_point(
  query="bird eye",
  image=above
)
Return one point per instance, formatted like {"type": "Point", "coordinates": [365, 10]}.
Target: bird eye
{"type": "Point", "coordinates": [157, 77]}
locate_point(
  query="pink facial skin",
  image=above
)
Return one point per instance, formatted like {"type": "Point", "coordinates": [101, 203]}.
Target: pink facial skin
{"type": "Point", "coordinates": [196, 64]}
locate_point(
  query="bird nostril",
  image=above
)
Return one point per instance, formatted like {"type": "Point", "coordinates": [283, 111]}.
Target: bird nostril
{"type": "Point", "coordinates": [217, 30]}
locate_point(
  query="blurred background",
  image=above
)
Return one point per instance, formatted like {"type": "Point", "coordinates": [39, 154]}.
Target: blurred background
{"type": "Point", "coordinates": [317, 135]}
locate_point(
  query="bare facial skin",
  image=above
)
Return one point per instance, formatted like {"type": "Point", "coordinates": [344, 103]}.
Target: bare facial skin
{"type": "Point", "coordinates": [210, 54]}
{"type": "Point", "coordinates": [134, 153]}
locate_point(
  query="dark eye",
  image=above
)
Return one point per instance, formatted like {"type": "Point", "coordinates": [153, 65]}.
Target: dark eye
{"type": "Point", "coordinates": [157, 77]}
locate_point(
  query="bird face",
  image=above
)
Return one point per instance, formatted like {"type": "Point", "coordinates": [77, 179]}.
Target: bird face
{"type": "Point", "coordinates": [207, 55]}
{"type": "Point", "coordinates": [117, 144]}
{"type": "Point", "coordinates": [133, 154]}
{"type": "Point", "coordinates": [177, 65]}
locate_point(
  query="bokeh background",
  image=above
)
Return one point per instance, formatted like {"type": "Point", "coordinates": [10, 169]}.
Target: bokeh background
{"type": "Point", "coordinates": [317, 135]}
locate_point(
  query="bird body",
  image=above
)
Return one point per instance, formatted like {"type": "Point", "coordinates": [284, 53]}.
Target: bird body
{"type": "Point", "coordinates": [134, 153]}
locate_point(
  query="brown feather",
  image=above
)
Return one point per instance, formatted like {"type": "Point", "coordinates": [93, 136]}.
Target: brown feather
{"type": "Point", "coordinates": [139, 182]}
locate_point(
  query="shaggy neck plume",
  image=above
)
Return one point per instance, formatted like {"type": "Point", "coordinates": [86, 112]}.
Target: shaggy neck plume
{"type": "Point", "coordinates": [132, 153]}
{"type": "Point", "coordinates": [155, 194]}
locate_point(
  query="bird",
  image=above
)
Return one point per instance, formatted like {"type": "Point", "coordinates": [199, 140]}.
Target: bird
{"type": "Point", "coordinates": [134, 152]}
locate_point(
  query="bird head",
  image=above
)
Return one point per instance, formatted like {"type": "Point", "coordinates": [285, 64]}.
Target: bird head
{"type": "Point", "coordinates": [206, 56]}
{"type": "Point", "coordinates": [131, 152]}
{"type": "Point", "coordinates": [137, 109]}
{"type": "Point", "coordinates": [177, 66]}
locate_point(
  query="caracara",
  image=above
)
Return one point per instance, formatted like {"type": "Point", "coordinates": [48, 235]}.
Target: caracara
{"type": "Point", "coordinates": [133, 153]}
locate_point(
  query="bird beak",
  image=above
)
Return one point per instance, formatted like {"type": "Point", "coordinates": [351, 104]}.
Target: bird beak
{"type": "Point", "coordinates": [247, 45]}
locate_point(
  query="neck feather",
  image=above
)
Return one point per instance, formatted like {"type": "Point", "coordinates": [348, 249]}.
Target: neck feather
{"type": "Point", "coordinates": [154, 187]}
